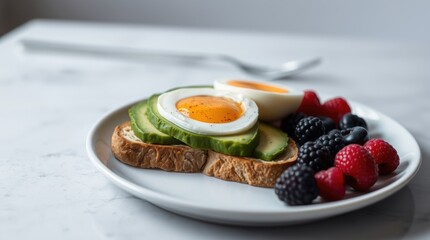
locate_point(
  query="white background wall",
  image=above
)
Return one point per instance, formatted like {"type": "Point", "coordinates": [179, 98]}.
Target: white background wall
{"type": "Point", "coordinates": [394, 19]}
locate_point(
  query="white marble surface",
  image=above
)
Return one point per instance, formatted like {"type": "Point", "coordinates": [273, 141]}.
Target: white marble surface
{"type": "Point", "coordinates": [48, 102]}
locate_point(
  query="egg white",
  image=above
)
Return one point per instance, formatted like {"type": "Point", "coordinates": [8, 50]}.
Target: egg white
{"type": "Point", "coordinates": [166, 106]}
{"type": "Point", "coordinates": [272, 106]}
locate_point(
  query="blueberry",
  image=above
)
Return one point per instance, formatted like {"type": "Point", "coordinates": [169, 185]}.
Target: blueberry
{"type": "Point", "coordinates": [355, 135]}
{"type": "Point", "coordinates": [328, 123]}
{"type": "Point", "coordinates": [350, 120]}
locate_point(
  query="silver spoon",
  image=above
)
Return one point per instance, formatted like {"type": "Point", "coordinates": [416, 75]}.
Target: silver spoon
{"type": "Point", "coordinates": [286, 69]}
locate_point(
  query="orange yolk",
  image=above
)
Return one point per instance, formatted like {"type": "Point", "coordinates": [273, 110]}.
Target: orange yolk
{"type": "Point", "coordinates": [210, 109]}
{"type": "Point", "coordinates": [257, 86]}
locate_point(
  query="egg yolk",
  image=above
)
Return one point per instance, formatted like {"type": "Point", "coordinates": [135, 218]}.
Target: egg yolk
{"type": "Point", "coordinates": [210, 109]}
{"type": "Point", "coordinates": [257, 86]}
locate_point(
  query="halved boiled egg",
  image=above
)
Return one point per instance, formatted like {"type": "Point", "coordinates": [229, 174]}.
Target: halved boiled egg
{"type": "Point", "coordinates": [274, 101]}
{"type": "Point", "coordinates": [208, 111]}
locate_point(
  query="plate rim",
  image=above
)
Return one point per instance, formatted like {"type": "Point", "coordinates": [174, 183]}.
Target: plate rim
{"type": "Point", "coordinates": [161, 200]}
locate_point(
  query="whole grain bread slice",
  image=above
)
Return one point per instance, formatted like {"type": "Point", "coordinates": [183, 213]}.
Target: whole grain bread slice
{"type": "Point", "coordinates": [252, 171]}
{"type": "Point", "coordinates": [130, 150]}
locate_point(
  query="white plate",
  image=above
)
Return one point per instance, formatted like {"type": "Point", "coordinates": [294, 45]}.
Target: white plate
{"type": "Point", "coordinates": [210, 199]}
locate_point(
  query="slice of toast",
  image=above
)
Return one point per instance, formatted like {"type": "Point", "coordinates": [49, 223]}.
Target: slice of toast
{"type": "Point", "coordinates": [130, 150]}
{"type": "Point", "coordinates": [252, 171]}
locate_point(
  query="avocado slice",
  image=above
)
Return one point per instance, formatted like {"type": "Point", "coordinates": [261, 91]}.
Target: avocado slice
{"type": "Point", "coordinates": [242, 144]}
{"type": "Point", "coordinates": [143, 128]}
{"type": "Point", "coordinates": [273, 141]}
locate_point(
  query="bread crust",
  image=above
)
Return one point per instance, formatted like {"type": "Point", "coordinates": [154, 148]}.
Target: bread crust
{"type": "Point", "coordinates": [250, 170]}
{"type": "Point", "coordinates": [177, 158]}
{"type": "Point", "coordinates": [130, 150]}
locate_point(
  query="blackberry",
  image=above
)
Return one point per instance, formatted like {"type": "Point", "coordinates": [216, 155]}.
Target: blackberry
{"type": "Point", "coordinates": [315, 156]}
{"type": "Point", "coordinates": [357, 135]}
{"type": "Point", "coordinates": [333, 141]}
{"type": "Point", "coordinates": [350, 120]}
{"type": "Point", "coordinates": [328, 123]}
{"type": "Point", "coordinates": [297, 185]}
{"type": "Point", "coordinates": [309, 129]}
{"type": "Point", "coordinates": [289, 123]}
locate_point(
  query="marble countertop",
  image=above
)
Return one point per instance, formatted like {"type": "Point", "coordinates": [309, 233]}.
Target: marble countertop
{"type": "Point", "coordinates": [49, 101]}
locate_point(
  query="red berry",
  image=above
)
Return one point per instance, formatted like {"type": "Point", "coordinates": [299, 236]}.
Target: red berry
{"type": "Point", "coordinates": [335, 108]}
{"type": "Point", "coordinates": [331, 184]}
{"type": "Point", "coordinates": [310, 104]}
{"type": "Point", "coordinates": [385, 155]}
{"type": "Point", "coordinates": [358, 165]}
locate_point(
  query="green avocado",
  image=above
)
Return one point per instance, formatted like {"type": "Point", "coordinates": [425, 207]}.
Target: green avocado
{"type": "Point", "coordinates": [273, 141]}
{"type": "Point", "coordinates": [144, 130]}
{"type": "Point", "coordinates": [242, 144]}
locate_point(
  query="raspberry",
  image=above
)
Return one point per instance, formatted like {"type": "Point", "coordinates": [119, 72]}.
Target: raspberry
{"type": "Point", "coordinates": [385, 155]}
{"type": "Point", "coordinates": [331, 184]}
{"type": "Point", "coordinates": [333, 141]}
{"type": "Point", "coordinates": [315, 156]}
{"type": "Point", "coordinates": [310, 104]}
{"type": "Point", "coordinates": [358, 165]}
{"type": "Point", "coordinates": [297, 185]}
{"type": "Point", "coordinates": [335, 108]}
{"type": "Point", "coordinates": [309, 129]}
{"type": "Point", "coordinates": [289, 123]}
